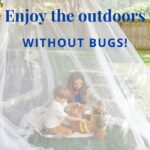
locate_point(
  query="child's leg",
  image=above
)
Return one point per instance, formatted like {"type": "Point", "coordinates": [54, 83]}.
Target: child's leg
{"type": "Point", "coordinates": [60, 130]}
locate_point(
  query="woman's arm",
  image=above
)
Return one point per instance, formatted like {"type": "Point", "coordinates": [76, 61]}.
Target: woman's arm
{"type": "Point", "coordinates": [93, 98]}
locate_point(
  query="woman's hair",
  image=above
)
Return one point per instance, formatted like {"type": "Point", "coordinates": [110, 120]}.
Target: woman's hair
{"type": "Point", "coordinates": [75, 76]}
{"type": "Point", "coordinates": [61, 92]}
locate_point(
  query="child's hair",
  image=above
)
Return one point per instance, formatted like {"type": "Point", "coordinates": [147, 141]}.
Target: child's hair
{"type": "Point", "coordinates": [61, 92]}
{"type": "Point", "coordinates": [75, 76]}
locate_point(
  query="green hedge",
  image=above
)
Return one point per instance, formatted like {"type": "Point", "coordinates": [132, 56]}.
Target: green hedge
{"type": "Point", "coordinates": [1, 5]}
{"type": "Point", "coordinates": [140, 8]}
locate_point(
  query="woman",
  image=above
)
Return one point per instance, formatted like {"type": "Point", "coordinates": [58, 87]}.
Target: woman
{"type": "Point", "coordinates": [81, 93]}
{"type": "Point", "coordinates": [93, 109]}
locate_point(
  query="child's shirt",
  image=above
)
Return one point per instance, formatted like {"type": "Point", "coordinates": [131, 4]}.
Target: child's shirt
{"type": "Point", "coordinates": [55, 116]}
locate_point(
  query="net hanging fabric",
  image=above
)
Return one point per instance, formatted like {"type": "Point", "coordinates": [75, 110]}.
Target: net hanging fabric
{"type": "Point", "coordinates": [28, 76]}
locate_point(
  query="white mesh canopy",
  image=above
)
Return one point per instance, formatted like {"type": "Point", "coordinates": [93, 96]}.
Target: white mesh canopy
{"type": "Point", "coordinates": [28, 75]}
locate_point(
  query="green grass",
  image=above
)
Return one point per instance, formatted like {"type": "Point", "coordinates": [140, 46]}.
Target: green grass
{"type": "Point", "coordinates": [145, 55]}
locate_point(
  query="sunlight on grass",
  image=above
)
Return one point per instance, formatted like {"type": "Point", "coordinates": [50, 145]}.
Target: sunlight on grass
{"type": "Point", "coordinates": [145, 55]}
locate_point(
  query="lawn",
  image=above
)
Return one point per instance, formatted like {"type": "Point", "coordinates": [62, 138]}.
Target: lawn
{"type": "Point", "coordinates": [145, 55]}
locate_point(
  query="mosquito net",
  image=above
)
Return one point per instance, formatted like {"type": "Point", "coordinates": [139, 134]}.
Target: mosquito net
{"type": "Point", "coordinates": [117, 76]}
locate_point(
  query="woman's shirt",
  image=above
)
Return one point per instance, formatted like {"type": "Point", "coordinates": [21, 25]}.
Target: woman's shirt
{"type": "Point", "coordinates": [88, 97]}
{"type": "Point", "coordinates": [77, 98]}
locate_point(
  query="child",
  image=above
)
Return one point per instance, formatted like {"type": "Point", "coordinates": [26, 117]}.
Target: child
{"type": "Point", "coordinates": [56, 116]}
